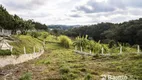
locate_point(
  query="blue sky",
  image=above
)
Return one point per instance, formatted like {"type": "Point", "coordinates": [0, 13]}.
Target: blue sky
{"type": "Point", "coordinates": [75, 12]}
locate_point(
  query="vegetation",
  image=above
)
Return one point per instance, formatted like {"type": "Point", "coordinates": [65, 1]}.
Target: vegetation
{"type": "Point", "coordinates": [14, 23]}
{"type": "Point", "coordinates": [81, 42]}
{"type": "Point", "coordinates": [5, 52]}
{"type": "Point", "coordinates": [39, 26]}
{"type": "Point", "coordinates": [25, 41]}
{"type": "Point", "coordinates": [70, 66]}
{"type": "Point", "coordinates": [26, 76]}
{"type": "Point", "coordinates": [88, 77]}
{"type": "Point", "coordinates": [65, 41]}
{"type": "Point", "coordinates": [59, 62]}
{"type": "Point", "coordinates": [35, 34]}
{"type": "Point", "coordinates": [127, 32]}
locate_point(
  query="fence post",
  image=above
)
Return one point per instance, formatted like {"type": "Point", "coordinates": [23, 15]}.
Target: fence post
{"type": "Point", "coordinates": [120, 49]}
{"type": "Point", "coordinates": [81, 49]}
{"type": "Point", "coordinates": [102, 50]}
{"type": "Point", "coordinates": [75, 48]}
{"type": "Point", "coordinates": [2, 31]}
{"type": "Point", "coordinates": [90, 52]}
{"type": "Point", "coordinates": [11, 48]}
{"type": "Point", "coordinates": [138, 49]}
{"type": "Point", "coordinates": [24, 50]}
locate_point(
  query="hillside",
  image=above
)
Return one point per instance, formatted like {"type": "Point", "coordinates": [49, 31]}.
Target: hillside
{"type": "Point", "coordinates": [126, 32]}
{"type": "Point", "coordinates": [59, 63]}
{"type": "Point", "coordinates": [35, 51]}
{"type": "Point", "coordinates": [62, 27]}
{"type": "Point", "coordinates": [26, 41]}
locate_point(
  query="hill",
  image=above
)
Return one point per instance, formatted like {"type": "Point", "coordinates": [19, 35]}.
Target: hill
{"type": "Point", "coordinates": [126, 32]}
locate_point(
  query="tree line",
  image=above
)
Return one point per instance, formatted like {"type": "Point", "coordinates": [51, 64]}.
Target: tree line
{"type": "Point", "coordinates": [126, 32]}
{"type": "Point", "coordinates": [14, 22]}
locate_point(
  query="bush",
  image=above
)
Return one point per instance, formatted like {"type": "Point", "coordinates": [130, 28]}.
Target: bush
{"type": "Point", "coordinates": [112, 43]}
{"type": "Point", "coordinates": [44, 35]}
{"type": "Point", "coordinates": [26, 76]}
{"type": "Point", "coordinates": [5, 52]}
{"type": "Point", "coordinates": [35, 34]}
{"type": "Point", "coordinates": [69, 76]}
{"type": "Point", "coordinates": [94, 46]}
{"type": "Point", "coordinates": [81, 42]}
{"type": "Point", "coordinates": [88, 77]}
{"type": "Point", "coordinates": [106, 48]}
{"type": "Point", "coordinates": [65, 41]}
{"type": "Point", "coordinates": [64, 70]}
{"type": "Point", "coordinates": [97, 46]}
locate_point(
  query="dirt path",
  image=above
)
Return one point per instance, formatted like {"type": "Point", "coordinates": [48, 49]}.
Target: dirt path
{"type": "Point", "coordinates": [13, 60]}
{"type": "Point", "coordinates": [16, 71]}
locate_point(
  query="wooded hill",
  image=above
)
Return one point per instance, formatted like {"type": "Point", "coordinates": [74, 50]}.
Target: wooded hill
{"type": "Point", "coordinates": [14, 22]}
{"type": "Point", "coordinates": [126, 32]}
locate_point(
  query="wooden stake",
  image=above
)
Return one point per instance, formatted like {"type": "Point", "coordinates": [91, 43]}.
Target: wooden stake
{"type": "Point", "coordinates": [121, 50]}
{"type": "Point", "coordinates": [24, 50]}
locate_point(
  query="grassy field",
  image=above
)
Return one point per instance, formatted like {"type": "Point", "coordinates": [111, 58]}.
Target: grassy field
{"type": "Point", "coordinates": [59, 63]}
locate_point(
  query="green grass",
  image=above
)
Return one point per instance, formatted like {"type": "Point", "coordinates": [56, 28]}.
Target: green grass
{"type": "Point", "coordinates": [5, 52]}
{"type": "Point", "coordinates": [61, 63]}
{"type": "Point", "coordinates": [25, 41]}
{"type": "Point", "coordinates": [26, 76]}
{"type": "Point", "coordinates": [71, 66]}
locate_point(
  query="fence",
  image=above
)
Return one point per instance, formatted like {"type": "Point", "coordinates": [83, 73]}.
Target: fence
{"type": "Point", "coordinates": [13, 59]}
{"type": "Point", "coordinates": [102, 51]}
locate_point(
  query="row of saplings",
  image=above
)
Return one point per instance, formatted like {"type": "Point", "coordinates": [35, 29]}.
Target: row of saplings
{"type": "Point", "coordinates": [94, 46]}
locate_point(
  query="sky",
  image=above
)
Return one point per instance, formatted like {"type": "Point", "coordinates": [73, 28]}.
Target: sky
{"type": "Point", "coordinates": [75, 12]}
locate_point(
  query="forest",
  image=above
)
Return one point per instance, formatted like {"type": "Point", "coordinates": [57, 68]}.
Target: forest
{"type": "Point", "coordinates": [14, 22]}
{"type": "Point", "coordinates": [126, 32]}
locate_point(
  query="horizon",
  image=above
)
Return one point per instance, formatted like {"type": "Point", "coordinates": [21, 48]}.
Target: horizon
{"type": "Point", "coordinates": [72, 12]}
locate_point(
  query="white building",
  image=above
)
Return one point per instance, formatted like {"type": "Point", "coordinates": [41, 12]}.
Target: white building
{"type": "Point", "coordinates": [4, 32]}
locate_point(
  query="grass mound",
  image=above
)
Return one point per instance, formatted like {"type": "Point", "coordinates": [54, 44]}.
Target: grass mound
{"type": "Point", "coordinates": [25, 41]}
{"type": "Point", "coordinates": [65, 41]}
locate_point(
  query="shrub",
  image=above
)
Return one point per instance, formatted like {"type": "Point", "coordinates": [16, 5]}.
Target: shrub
{"type": "Point", "coordinates": [45, 61]}
{"type": "Point", "coordinates": [69, 76]}
{"type": "Point", "coordinates": [88, 77]}
{"type": "Point", "coordinates": [26, 76]}
{"type": "Point", "coordinates": [106, 48]}
{"type": "Point", "coordinates": [35, 34]}
{"type": "Point", "coordinates": [65, 41]}
{"type": "Point", "coordinates": [81, 42]}
{"type": "Point", "coordinates": [5, 52]}
{"type": "Point", "coordinates": [44, 35]}
{"type": "Point", "coordinates": [112, 43]}
{"type": "Point", "coordinates": [96, 46]}
{"type": "Point", "coordinates": [91, 45]}
{"type": "Point", "coordinates": [64, 70]}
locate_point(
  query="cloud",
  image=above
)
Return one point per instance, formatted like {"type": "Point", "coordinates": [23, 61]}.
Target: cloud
{"type": "Point", "coordinates": [72, 12]}
{"type": "Point", "coordinates": [75, 15]}
{"type": "Point", "coordinates": [94, 6]}
{"type": "Point", "coordinates": [23, 4]}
